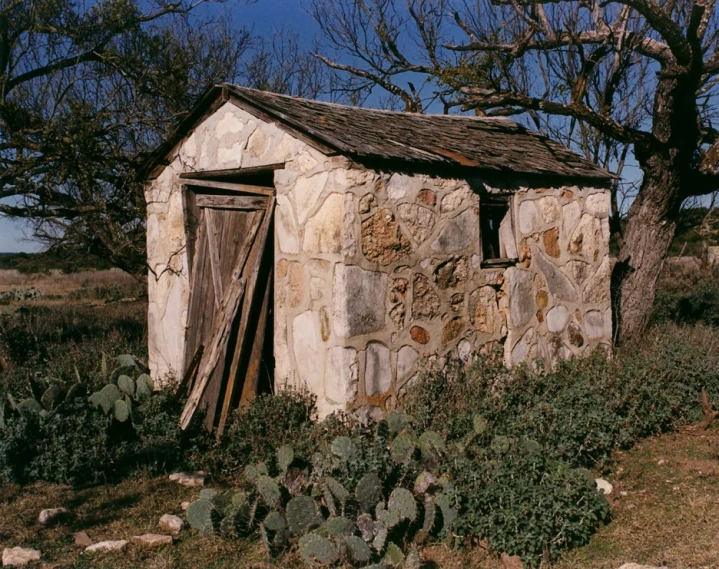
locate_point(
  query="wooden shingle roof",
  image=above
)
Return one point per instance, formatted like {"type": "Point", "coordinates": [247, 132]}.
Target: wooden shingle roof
{"type": "Point", "coordinates": [496, 145]}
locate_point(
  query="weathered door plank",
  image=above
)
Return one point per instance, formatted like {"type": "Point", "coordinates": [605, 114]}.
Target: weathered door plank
{"type": "Point", "coordinates": [231, 202]}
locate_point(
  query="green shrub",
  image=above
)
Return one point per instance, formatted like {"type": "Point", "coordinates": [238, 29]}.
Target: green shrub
{"type": "Point", "coordinates": [257, 430]}
{"type": "Point", "coordinates": [683, 302]}
{"type": "Point", "coordinates": [525, 501]}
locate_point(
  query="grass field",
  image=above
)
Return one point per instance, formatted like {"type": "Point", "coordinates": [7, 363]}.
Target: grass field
{"type": "Point", "coordinates": [665, 503]}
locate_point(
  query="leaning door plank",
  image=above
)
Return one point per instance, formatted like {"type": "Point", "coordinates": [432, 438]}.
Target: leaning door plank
{"type": "Point", "coordinates": [252, 376]}
{"type": "Point", "coordinates": [249, 299]}
{"type": "Point", "coordinates": [222, 324]}
{"type": "Point", "coordinates": [214, 251]}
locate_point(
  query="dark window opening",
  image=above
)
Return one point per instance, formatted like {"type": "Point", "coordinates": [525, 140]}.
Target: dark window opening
{"type": "Point", "coordinates": [496, 230]}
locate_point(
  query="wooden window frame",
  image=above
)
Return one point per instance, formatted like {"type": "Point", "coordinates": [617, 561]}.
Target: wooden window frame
{"type": "Point", "coordinates": [490, 203]}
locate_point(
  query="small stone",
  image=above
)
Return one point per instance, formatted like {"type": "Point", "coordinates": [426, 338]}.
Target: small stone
{"type": "Point", "coordinates": [383, 241]}
{"type": "Point", "coordinates": [367, 203]}
{"type": "Point", "coordinates": [19, 556]}
{"type": "Point", "coordinates": [604, 486]}
{"type": "Point", "coordinates": [528, 217]}
{"type": "Point", "coordinates": [661, 462]}
{"type": "Point", "coordinates": [452, 330]}
{"type": "Point", "coordinates": [102, 546]}
{"type": "Point", "coordinates": [378, 372]}
{"type": "Point", "coordinates": [189, 479]}
{"type": "Point", "coordinates": [624, 493]}
{"type": "Point", "coordinates": [52, 515]}
{"type": "Point", "coordinates": [171, 523]}
{"type": "Point", "coordinates": [82, 539]}
{"type": "Point", "coordinates": [185, 505]}
{"type": "Point", "coordinates": [406, 358]}
{"type": "Point", "coordinates": [419, 220]}
{"type": "Point", "coordinates": [551, 242]}
{"type": "Point", "coordinates": [427, 197]}
{"type": "Point", "coordinates": [511, 561]}
{"type": "Point", "coordinates": [426, 302]}
{"type": "Point", "coordinates": [152, 540]}
{"type": "Point", "coordinates": [542, 299]}
{"type": "Point", "coordinates": [419, 335]}
{"type": "Point", "coordinates": [557, 318]}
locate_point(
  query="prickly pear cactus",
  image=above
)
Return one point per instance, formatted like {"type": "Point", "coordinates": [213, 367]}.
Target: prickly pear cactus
{"type": "Point", "coordinates": [449, 512]}
{"type": "Point", "coordinates": [357, 549]}
{"type": "Point", "coordinates": [316, 549]}
{"type": "Point", "coordinates": [403, 447]}
{"type": "Point", "coordinates": [338, 491]}
{"type": "Point", "coordinates": [344, 448]}
{"type": "Point", "coordinates": [403, 503]}
{"type": "Point", "coordinates": [201, 515]}
{"type": "Point", "coordinates": [121, 411]}
{"type": "Point", "coordinates": [53, 396]}
{"type": "Point", "coordinates": [302, 514]}
{"type": "Point", "coordinates": [430, 516]}
{"type": "Point", "coordinates": [368, 491]}
{"type": "Point", "coordinates": [254, 471]}
{"type": "Point", "coordinates": [143, 387]}
{"type": "Point", "coordinates": [285, 456]}
{"type": "Point", "coordinates": [338, 526]}
{"type": "Point", "coordinates": [393, 556]}
{"type": "Point", "coordinates": [126, 384]}
{"type": "Point", "coordinates": [396, 422]}
{"type": "Point", "coordinates": [269, 491]}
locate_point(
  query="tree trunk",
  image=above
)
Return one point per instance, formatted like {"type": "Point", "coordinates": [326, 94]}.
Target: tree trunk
{"type": "Point", "coordinates": [649, 232]}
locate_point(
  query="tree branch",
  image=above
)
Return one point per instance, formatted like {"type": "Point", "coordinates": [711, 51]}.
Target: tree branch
{"type": "Point", "coordinates": [602, 123]}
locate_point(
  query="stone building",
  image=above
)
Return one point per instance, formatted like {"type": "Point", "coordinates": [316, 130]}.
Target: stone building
{"type": "Point", "coordinates": [395, 237]}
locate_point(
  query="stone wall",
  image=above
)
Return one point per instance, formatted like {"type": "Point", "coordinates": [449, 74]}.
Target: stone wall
{"type": "Point", "coordinates": [559, 302]}
{"type": "Point", "coordinates": [376, 270]}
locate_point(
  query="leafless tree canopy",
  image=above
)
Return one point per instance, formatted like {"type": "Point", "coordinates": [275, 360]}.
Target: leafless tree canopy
{"type": "Point", "coordinates": [87, 89]}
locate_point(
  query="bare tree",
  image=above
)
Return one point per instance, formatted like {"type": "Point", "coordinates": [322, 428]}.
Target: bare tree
{"type": "Point", "coordinates": [87, 90]}
{"type": "Point", "coordinates": [608, 77]}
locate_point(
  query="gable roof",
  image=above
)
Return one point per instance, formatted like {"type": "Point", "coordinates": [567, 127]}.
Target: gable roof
{"type": "Point", "coordinates": [497, 145]}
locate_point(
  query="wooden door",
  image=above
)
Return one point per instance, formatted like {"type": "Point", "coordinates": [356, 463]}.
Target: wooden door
{"type": "Point", "coordinates": [230, 287]}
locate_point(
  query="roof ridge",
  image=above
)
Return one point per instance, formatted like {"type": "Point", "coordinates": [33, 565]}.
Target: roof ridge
{"type": "Point", "coordinates": [504, 121]}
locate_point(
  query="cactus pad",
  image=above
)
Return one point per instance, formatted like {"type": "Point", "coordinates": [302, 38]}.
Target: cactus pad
{"type": "Point", "coordinates": [274, 521]}
{"type": "Point", "coordinates": [254, 471]}
{"type": "Point", "coordinates": [316, 549]}
{"type": "Point", "coordinates": [365, 524]}
{"type": "Point", "coordinates": [126, 384]}
{"type": "Point", "coordinates": [208, 494]}
{"type": "Point", "coordinates": [368, 491]}
{"type": "Point", "coordinates": [338, 526]}
{"type": "Point", "coordinates": [121, 411]}
{"type": "Point", "coordinates": [430, 516]}
{"type": "Point", "coordinates": [396, 422]}
{"type": "Point", "coordinates": [358, 550]}
{"type": "Point", "coordinates": [403, 447]}
{"type": "Point", "coordinates": [126, 360]}
{"type": "Point", "coordinates": [29, 406]}
{"type": "Point", "coordinates": [338, 491]}
{"type": "Point", "coordinates": [501, 444]}
{"type": "Point", "coordinates": [53, 396]}
{"type": "Point", "coordinates": [344, 448]}
{"type": "Point", "coordinates": [403, 503]}
{"type": "Point", "coordinates": [285, 456]}
{"type": "Point", "coordinates": [269, 490]}
{"type": "Point", "coordinates": [380, 538]}
{"type": "Point", "coordinates": [302, 514]}
{"type": "Point", "coordinates": [143, 386]}
{"type": "Point", "coordinates": [393, 556]}
{"type": "Point", "coordinates": [449, 512]}
{"type": "Point", "coordinates": [202, 516]}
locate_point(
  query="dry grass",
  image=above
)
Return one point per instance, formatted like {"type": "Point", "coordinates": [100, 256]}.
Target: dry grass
{"type": "Point", "coordinates": [57, 283]}
{"type": "Point", "coordinates": [663, 514]}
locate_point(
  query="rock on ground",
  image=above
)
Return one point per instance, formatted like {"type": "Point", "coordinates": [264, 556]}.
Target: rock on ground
{"type": "Point", "coordinates": [51, 515]}
{"type": "Point", "coordinates": [190, 479]}
{"type": "Point", "coordinates": [110, 545]}
{"type": "Point", "coordinates": [152, 540]}
{"type": "Point", "coordinates": [19, 556]}
{"type": "Point", "coordinates": [82, 539]}
{"type": "Point", "coordinates": [603, 486]}
{"type": "Point", "coordinates": [185, 505]}
{"type": "Point", "coordinates": [171, 523]}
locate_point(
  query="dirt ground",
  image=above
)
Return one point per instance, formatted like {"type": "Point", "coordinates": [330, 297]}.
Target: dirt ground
{"type": "Point", "coordinates": [665, 510]}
